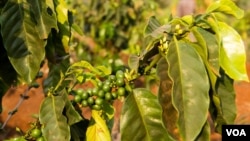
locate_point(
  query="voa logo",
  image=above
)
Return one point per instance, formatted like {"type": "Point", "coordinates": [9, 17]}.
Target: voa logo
{"type": "Point", "coordinates": [236, 132]}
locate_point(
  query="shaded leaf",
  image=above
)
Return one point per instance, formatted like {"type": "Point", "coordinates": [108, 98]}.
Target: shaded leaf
{"type": "Point", "coordinates": [141, 117]}
{"type": "Point", "coordinates": [233, 55]}
{"type": "Point", "coordinates": [208, 52]}
{"type": "Point", "coordinates": [77, 29]}
{"type": "Point", "coordinates": [226, 93]}
{"type": "Point", "coordinates": [78, 130]}
{"type": "Point", "coordinates": [55, 75]}
{"type": "Point", "coordinates": [7, 73]}
{"type": "Point", "coordinates": [205, 133]}
{"type": "Point", "coordinates": [21, 41]}
{"type": "Point", "coordinates": [216, 112]}
{"type": "Point", "coordinates": [227, 7]}
{"type": "Point", "coordinates": [155, 29]}
{"type": "Point", "coordinates": [190, 98]}
{"type": "Point", "coordinates": [210, 46]}
{"type": "Point", "coordinates": [169, 113]}
{"type": "Point", "coordinates": [55, 123]}
{"type": "Point", "coordinates": [97, 130]}
{"type": "Point", "coordinates": [72, 115]}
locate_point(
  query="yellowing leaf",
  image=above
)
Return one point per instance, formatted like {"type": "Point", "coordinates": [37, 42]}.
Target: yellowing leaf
{"type": "Point", "coordinates": [98, 130]}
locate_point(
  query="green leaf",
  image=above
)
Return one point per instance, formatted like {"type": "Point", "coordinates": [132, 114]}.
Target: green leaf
{"type": "Point", "coordinates": [212, 74]}
{"type": "Point", "coordinates": [62, 11]}
{"type": "Point", "coordinates": [210, 46]}
{"type": "Point", "coordinates": [190, 88]}
{"type": "Point", "coordinates": [72, 115]}
{"type": "Point", "coordinates": [97, 130]}
{"type": "Point", "coordinates": [141, 118]}
{"type": "Point", "coordinates": [55, 123]}
{"type": "Point", "coordinates": [63, 23]}
{"type": "Point", "coordinates": [24, 47]}
{"type": "Point", "coordinates": [45, 17]}
{"type": "Point", "coordinates": [77, 29]}
{"type": "Point", "coordinates": [155, 29]}
{"type": "Point", "coordinates": [233, 55]}
{"type": "Point", "coordinates": [188, 19]}
{"type": "Point", "coordinates": [227, 7]}
{"type": "Point", "coordinates": [205, 133]}
{"type": "Point", "coordinates": [133, 62]}
{"type": "Point", "coordinates": [55, 75]}
{"type": "Point", "coordinates": [207, 47]}
{"type": "Point", "coordinates": [216, 112]}
{"type": "Point", "coordinates": [169, 113]}
{"type": "Point", "coordinates": [226, 93]}
{"type": "Point", "coordinates": [99, 70]}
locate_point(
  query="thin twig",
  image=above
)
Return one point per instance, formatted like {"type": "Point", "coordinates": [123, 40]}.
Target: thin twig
{"type": "Point", "coordinates": [11, 113]}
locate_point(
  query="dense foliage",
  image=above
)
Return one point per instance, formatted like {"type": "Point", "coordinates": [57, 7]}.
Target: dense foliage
{"type": "Point", "coordinates": [196, 59]}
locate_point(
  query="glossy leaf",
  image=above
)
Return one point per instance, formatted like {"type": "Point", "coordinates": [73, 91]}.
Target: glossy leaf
{"type": "Point", "coordinates": [190, 98]}
{"type": "Point", "coordinates": [45, 17]}
{"type": "Point", "coordinates": [24, 47]}
{"type": "Point", "coordinates": [233, 55]}
{"type": "Point", "coordinates": [141, 117]}
{"type": "Point", "coordinates": [227, 7]}
{"type": "Point", "coordinates": [55, 123]}
{"type": "Point", "coordinates": [97, 130]}
{"type": "Point", "coordinates": [169, 113]}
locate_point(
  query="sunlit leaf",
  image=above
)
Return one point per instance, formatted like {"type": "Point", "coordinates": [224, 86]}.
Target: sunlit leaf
{"type": "Point", "coordinates": [141, 118]}
{"type": "Point", "coordinates": [227, 7]}
{"type": "Point", "coordinates": [190, 98]}
{"type": "Point", "coordinates": [97, 130]}
{"type": "Point", "coordinates": [84, 65]}
{"type": "Point", "coordinates": [233, 55]}
{"type": "Point", "coordinates": [45, 17]}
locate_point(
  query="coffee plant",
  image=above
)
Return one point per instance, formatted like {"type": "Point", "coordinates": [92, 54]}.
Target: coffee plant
{"type": "Point", "coordinates": [196, 59]}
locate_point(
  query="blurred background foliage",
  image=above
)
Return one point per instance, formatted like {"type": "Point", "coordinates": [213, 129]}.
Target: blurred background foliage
{"type": "Point", "coordinates": [113, 29]}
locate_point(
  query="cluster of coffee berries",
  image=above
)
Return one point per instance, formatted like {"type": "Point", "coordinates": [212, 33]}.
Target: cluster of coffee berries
{"type": "Point", "coordinates": [36, 134]}
{"type": "Point", "coordinates": [108, 90]}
